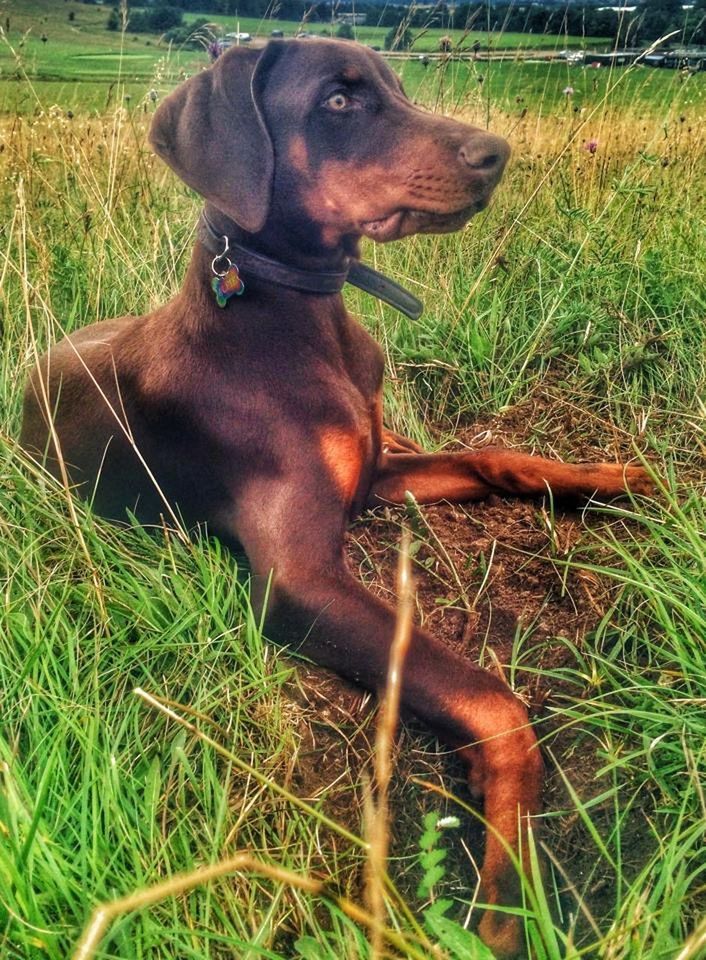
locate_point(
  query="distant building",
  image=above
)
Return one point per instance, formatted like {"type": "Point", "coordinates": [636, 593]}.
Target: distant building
{"type": "Point", "coordinates": [354, 19]}
{"type": "Point", "coordinates": [614, 58]}
{"type": "Point", "coordinates": [683, 59]}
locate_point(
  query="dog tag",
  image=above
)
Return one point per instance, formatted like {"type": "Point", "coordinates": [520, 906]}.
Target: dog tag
{"type": "Point", "coordinates": [228, 285]}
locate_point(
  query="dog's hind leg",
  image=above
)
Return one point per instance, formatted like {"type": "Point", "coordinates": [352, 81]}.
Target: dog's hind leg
{"type": "Point", "coordinates": [472, 476]}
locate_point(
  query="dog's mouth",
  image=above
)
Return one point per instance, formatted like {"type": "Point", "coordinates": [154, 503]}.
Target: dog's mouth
{"type": "Point", "coordinates": [404, 222]}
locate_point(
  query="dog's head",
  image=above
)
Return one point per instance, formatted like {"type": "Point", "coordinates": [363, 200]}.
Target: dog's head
{"type": "Point", "coordinates": [319, 135]}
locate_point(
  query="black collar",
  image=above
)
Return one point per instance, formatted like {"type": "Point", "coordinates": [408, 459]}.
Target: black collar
{"type": "Point", "coordinates": [311, 281]}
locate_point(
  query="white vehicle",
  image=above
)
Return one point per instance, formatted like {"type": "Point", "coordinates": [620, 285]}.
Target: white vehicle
{"type": "Point", "coordinates": [571, 56]}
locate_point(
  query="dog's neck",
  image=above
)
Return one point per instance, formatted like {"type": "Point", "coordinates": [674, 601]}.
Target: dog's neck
{"type": "Point", "coordinates": [324, 276]}
{"type": "Point", "coordinates": [287, 248]}
{"type": "Point", "coordinates": [231, 253]}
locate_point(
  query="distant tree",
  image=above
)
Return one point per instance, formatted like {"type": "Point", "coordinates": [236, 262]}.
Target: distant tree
{"type": "Point", "coordinates": [391, 17]}
{"type": "Point", "coordinates": [157, 19]}
{"type": "Point", "coordinates": [345, 32]}
{"type": "Point", "coordinates": [468, 16]}
{"type": "Point", "coordinates": [292, 9]}
{"type": "Point", "coordinates": [139, 21]}
{"type": "Point", "coordinates": [602, 23]}
{"type": "Point", "coordinates": [399, 38]}
{"type": "Point", "coordinates": [696, 24]}
{"type": "Point", "coordinates": [658, 17]}
{"type": "Point", "coordinates": [164, 18]}
{"type": "Point", "coordinates": [190, 34]}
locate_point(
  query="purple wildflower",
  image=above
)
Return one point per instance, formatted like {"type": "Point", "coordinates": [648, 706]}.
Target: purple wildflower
{"type": "Point", "coordinates": [591, 145]}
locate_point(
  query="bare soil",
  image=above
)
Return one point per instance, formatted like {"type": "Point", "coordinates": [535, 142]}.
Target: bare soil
{"type": "Point", "coordinates": [489, 576]}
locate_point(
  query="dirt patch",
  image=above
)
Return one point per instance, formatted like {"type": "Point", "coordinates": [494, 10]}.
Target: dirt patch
{"type": "Point", "coordinates": [492, 583]}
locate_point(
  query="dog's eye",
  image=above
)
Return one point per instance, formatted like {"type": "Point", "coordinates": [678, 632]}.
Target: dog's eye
{"type": "Point", "coordinates": [338, 101]}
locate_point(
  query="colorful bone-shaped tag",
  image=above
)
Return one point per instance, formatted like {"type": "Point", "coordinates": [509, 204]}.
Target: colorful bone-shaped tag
{"type": "Point", "coordinates": [227, 285]}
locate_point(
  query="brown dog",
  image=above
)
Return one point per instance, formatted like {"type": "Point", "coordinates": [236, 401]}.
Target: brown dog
{"type": "Point", "coordinates": [263, 418]}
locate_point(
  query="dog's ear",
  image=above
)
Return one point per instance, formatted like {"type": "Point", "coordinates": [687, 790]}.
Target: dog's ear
{"type": "Point", "coordinates": [211, 132]}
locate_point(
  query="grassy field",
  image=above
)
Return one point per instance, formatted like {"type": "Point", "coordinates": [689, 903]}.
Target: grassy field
{"type": "Point", "coordinates": [484, 87]}
{"type": "Point", "coordinates": [567, 319]}
{"type": "Point", "coordinates": [513, 88]}
{"type": "Point", "coordinates": [82, 48]}
{"type": "Point", "coordinates": [84, 68]}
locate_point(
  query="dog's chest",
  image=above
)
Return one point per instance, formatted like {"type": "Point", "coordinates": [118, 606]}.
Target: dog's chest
{"type": "Point", "coordinates": [347, 425]}
{"type": "Point", "coordinates": [363, 360]}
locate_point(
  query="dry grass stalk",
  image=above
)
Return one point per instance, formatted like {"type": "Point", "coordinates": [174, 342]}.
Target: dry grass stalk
{"type": "Point", "coordinates": [377, 810]}
{"type": "Point", "coordinates": [695, 946]}
{"type": "Point", "coordinates": [103, 915]}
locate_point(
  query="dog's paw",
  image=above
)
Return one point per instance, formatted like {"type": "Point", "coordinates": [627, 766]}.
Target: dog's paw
{"type": "Point", "coordinates": [638, 481]}
{"type": "Point", "coordinates": [396, 443]}
{"type": "Point", "coordinates": [504, 934]}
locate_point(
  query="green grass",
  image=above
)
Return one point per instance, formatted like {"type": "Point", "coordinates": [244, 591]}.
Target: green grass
{"type": "Point", "coordinates": [581, 288]}
{"type": "Point", "coordinates": [644, 676]}
{"type": "Point", "coordinates": [81, 49]}
{"type": "Point", "coordinates": [512, 87]}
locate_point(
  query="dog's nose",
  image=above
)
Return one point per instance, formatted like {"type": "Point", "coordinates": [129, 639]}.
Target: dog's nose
{"type": "Point", "coordinates": [486, 153]}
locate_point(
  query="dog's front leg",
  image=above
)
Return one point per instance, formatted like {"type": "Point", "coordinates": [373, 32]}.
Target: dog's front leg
{"type": "Point", "coordinates": [315, 606]}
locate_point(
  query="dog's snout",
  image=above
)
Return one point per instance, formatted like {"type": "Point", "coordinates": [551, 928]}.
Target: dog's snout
{"type": "Point", "coordinates": [486, 153]}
